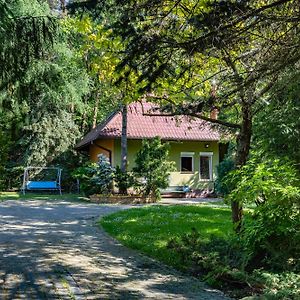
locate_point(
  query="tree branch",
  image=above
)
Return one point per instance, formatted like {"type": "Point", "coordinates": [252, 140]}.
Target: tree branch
{"type": "Point", "coordinates": [266, 88]}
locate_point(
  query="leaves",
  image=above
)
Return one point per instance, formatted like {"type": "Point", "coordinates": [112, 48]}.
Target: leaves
{"type": "Point", "coordinates": [153, 166]}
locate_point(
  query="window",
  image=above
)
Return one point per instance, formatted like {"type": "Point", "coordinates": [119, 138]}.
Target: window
{"type": "Point", "coordinates": [206, 166]}
{"type": "Point", "coordinates": [187, 162]}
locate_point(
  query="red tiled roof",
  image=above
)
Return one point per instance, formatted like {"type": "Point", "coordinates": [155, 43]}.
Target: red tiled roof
{"type": "Point", "coordinates": [140, 126]}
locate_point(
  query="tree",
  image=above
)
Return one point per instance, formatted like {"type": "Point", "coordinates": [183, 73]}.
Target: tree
{"type": "Point", "coordinates": [201, 55]}
{"type": "Point", "coordinates": [152, 165]}
{"type": "Point", "coordinates": [40, 81]}
{"type": "Point", "coordinates": [277, 128]}
{"type": "Point", "coordinates": [124, 149]}
{"type": "Point", "coordinates": [97, 54]}
{"type": "Point", "coordinates": [114, 88]}
{"type": "Point", "coordinates": [27, 32]}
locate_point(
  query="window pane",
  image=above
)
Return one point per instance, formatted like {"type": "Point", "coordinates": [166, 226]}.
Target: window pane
{"type": "Point", "coordinates": [186, 164]}
{"type": "Point", "coordinates": [204, 167]}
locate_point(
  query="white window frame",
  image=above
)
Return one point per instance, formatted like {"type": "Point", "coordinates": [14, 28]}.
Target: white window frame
{"type": "Point", "coordinates": [187, 154]}
{"type": "Point", "coordinates": [210, 155]}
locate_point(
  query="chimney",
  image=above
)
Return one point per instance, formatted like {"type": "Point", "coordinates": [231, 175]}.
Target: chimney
{"type": "Point", "coordinates": [214, 113]}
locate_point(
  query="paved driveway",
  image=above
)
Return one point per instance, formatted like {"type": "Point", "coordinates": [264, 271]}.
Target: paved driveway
{"type": "Point", "coordinates": [53, 250]}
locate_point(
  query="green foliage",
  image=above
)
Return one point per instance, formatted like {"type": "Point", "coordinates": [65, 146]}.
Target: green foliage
{"type": "Point", "coordinates": [217, 260]}
{"type": "Point", "coordinates": [104, 176]}
{"type": "Point", "coordinates": [223, 169]}
{"type": "Point", "coordinates": [277, 126]}
{"type": "Point", "coordinates": [258, 182]}
{"type": "Point", "coordinates": [271, 236]}
{"type": "Point", "coordinates": [27, 31]}
{"type": "Point", "coordinates": [285, 285]}
{"type": "Point", "coordinates": [152, 165]}
{"type": "Point", "coordinates": [221, 262]}
{"type": "Point", "coordinates": [99, 54]}
{"type": "Point", "coordinates": [41, 89]}
{"type": "Point", "coordinates": [85, 174]}
{"type": "Point", "coordinates": [95, 178]}
{"type": "Point", "coordinates": [70, 160]}
{"type": "Point", "coordinates": [123, 180]}
{"type": "Point", "coordinates": [4, 149]}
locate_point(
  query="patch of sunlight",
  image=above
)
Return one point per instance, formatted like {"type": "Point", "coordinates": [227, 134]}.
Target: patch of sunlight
{"type": "Point", "coordinates": [160, 243]}
{"type": "Point", "coordinates": [9, 195]}
{"type": "Point", "coordinates": [131, 220]}
{"type": "Point", "coordinates": [213, 230]}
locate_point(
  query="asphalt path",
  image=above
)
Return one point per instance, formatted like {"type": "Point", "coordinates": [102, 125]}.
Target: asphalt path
{"type": "Point", "coordinates": [55, 250]}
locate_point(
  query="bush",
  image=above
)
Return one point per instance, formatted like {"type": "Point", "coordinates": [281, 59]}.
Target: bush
{"type": "Point", "coordinates": [225, 166]}
{"type": "Point", "coordinates": [11, 177]}
{"type": "Point", "coordinates": [265, 256]}
{"type": "Point", "coordinates": [95, 178]}
{"type": "Point", "coordinates": [223, 169]}
{"type": "Point", "coordinates": [218, 261]}
{"type": "Point", "coordinates": [258, 181]}
{"type": "Point", "coordinates": [221, 263]}
{"type": "Point", "coordinates": [285, 285]}
{"type": "Point", "coordinates": [153, 166]}
{"type": "Point", "coordinates": [272, 235]}
{"type": "Point", "coordinates": [123, 180]}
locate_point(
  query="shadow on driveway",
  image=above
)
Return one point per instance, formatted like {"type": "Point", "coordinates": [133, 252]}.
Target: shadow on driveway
{"type": "Point", "coordinates": [51, 250]}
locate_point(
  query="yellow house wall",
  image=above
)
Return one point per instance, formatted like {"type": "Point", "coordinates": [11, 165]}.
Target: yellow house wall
{"type": "Point", "coordinates": [94, 150]}
{"type": "Point", "coordinates": [133, 147]}
{"type": "Point", "coordinates": [193, 179]}
{"type": "Point", "coordinates": [176, 178]}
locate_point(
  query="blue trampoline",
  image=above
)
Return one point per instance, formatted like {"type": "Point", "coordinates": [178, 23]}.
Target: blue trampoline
{"type": "Point", "coordinates": [35, 179]}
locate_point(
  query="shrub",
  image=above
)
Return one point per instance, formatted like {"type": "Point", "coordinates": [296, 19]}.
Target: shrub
{"type": "Point", "coordinates": [285, 285]}
{"type": "Point", "coordinates": [223, 169]}
{"type": "Point", "coordinates": [218, 261]}
{"type": "Point", "coordinates": [153, 166]}
{"type": "Point", "coordinates": [272, 235]}
{"type": "Point", "coordinates": [258, 181]}
{"type": "Point", "coordinates": [123, 180]}
{"type": "Point", "coordinates": [221, 263]}
{"type": "Point", "coordinates": [97, 177]}
{"type": "Point", "coordinates": [265, 256]}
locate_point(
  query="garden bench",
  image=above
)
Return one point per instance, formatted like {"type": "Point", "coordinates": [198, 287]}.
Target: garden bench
{"type": "Point", "coordinates": [176, 191]}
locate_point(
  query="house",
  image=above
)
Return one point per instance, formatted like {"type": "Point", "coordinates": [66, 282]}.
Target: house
{"type": "Point", "coordinates": [194, 144]}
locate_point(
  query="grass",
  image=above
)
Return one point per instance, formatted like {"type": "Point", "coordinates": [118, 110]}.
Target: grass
{"type": "Point", "coordinates": [35, 196]}
{"type": "Point", "coordinates": [149, 229]}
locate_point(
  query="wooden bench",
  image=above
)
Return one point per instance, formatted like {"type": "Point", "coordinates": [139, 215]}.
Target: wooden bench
{"type": "Point", "coordinates": [175, 191]}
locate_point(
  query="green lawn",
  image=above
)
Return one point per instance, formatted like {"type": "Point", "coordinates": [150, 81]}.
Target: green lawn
{"type": "Point", "coordinates": [149, 229]}
{"type": "Point", "coordinates": [53, 196]}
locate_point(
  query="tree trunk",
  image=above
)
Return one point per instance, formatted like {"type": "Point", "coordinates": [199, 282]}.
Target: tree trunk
{"type": "Point", "coordinates": [243, 148]}
{"type": "Point", "coordinates": [95, 112]}
{"type": "Point", "coordinates": [63, 7]}
{"type": "Point", "coordinates": [124, 145]}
